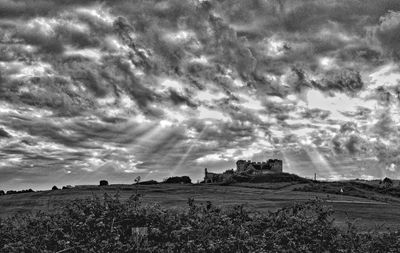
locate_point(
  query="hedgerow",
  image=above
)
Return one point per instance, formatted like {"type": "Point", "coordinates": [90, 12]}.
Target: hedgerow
{"type": "Point", "coordinates": [111, 225]}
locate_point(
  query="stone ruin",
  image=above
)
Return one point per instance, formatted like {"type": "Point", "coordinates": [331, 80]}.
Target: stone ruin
{"type": "Point", "coordinates": [248, 167]}
{"type": "Point", "coordinates": [267, 167]}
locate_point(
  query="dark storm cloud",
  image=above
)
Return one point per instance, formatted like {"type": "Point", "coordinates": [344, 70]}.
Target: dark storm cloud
{"type": "Point", "coordinates": [315, 114]}
{"type": "Point", "coordinates": [27, 8]}
{"type": "Point", "coordinates": [48, 92]}
{"type": "Point", "coordinates": [46, 130]}
{"type": "Point", "coordinates": [352, 144]}
{"type": "Point", "coordinates": [178, 99]}
{"type": "Point", "coordinates": [52, 35]}
{"type": "Point", "coordinates": [9, 8]}
{"type": "Point", "coordinates": [385, 126]}
{"type": "Point", "coordinates": [123, 133]}
{"type": "Point", "coordinates": [348, 127]}
{"type": "Point", "coordinates": [4, 133]}
{"type": "Point", "coordinates": [387, 33]}
{"type": "Point", "coordinates": [345, 81]}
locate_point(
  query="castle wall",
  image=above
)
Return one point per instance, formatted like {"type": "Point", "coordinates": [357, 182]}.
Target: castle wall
{"type": "Point", "coordinates": [269, 167]}
{"type": "Point", "coordinates": [276, 166]}
{"type": "Point", "coordinates": [241, 165]}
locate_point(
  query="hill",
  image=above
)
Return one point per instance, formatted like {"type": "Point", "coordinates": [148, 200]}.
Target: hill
{"type": "Point", "coordinates": [382, 211]}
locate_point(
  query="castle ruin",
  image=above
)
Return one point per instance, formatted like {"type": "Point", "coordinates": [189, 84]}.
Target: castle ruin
{"type": "Point", "coordinates": [271, 166]}
{"type": "Point", "coordinates": [267, 167]}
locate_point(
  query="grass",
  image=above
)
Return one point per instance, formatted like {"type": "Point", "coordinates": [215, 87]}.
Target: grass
{"type": "Point", "coordinates": [257, 196]}
{"type": "Point", "coordinates": [109, 224]}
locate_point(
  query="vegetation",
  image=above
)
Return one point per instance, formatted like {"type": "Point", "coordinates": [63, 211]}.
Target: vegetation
{"type": "Point", "coordinates": [387, 182]}
{"type": "Point", "coordinates": [178, 180]}
{"type": "Point", "coordinates": [352, 188]}
{"type": "Point", "coordinates": [109, 225]}
{"type": "Point", "coordinates": [103, 182]}
{"type": "Point", "coordinates": [54, 188]}
{"type": "Point", "coordinates": [149, 182]}
{"type": "Point", "coordinates": [17, 192]}
{"type": "Point", "coordinates": [269, 178]}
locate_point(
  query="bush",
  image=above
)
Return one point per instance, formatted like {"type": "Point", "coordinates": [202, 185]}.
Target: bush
{"type": "Point", "coordinates": [54, 188]}
{"type": "Point", "coordinates": [228, 180]}
{"type": "Point", "coordinates": [278, 177]}
{"type": "Point", "coordinates": [387, 182]}
{"type": "Point", "coordinates": [108, 225]}
{"type": "Point", "coordinates": [103, 182]}
{"type": "Point", "coordinates": [2, 192]}
{"type": "Point", "coordinates": [17, 192]}
{"type": "Point", "coordinates": [149, 182]}
{"type": "Point", "coordinates": [178, 180]}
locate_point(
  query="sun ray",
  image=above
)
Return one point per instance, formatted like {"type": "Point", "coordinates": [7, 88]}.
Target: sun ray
{"type": "Point", "coordinates": [319, 161]}
{"type": "Point", "coordinates": [149, 135]}
{"type": "Point", "coordinates": [188, 151]}
{"type": "Point", "coordinates": [286, 161]}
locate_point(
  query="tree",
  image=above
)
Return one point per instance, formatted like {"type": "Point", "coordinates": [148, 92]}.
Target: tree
{"type": "Point", "coordinates": [178, 180]}
{"type": "Point", "coordinates": [103, 182]}
{"type": "Point", "coordinates": [54, 188]}
{"type": "Point", "coordinates": [387, 182]}
{"type": "Point", "coordinates": [2, 192]}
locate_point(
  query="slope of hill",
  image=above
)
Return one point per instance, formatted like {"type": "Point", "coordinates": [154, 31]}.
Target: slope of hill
{"type": "Point", "coordinates": [255, 196]}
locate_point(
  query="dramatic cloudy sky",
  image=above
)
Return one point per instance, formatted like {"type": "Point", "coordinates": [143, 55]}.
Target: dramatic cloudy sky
{"type": "Point", "coordinates": [111, 90]}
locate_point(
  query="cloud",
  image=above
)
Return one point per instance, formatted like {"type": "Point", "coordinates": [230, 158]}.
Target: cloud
{"type": "Point", "coordinates": [4, 133]}
{"type": "Point", "coordinates": [154, 87]}
{"type": "Point", "coordinates": [387, 33]}
{"type": "Point", "coordinates": [385, 126]}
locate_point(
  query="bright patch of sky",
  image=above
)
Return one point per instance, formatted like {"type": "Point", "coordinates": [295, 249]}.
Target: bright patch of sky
{"type": "Point", "coordinates": [336, 104]}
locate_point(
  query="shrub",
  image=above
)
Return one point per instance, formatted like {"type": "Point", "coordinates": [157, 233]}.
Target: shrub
{"type": "Point", "coordinates": [278, 177]}
{"type": "Point", "coordinates": [228, 180]}
{"type": "Point", "coordinates": [178, 180]}
{"type": "Point", "coordinates": [54, 188]}
{"type": "Point", "coordinates": [103, 182]}
{"type": "Point", "coordinates": [109, 225]}
{"type": "Point", "coordinates": [387, 182]}
{"type": "Point", "coordinates": [17, 192]}
{"type": "Point", "coordinates": [2, 192]}
{"type": "Point", "coordinates": [149, 182]}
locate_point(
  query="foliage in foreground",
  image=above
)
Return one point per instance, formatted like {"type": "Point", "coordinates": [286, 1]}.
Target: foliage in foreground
{"type": "Point", "coordinates": [109, 225]}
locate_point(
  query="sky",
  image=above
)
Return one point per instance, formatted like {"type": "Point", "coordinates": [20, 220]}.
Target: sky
{"type": "Point", "coordinates": [93, 90]}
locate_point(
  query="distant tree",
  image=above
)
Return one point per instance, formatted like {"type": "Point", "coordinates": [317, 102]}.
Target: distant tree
{"type": "Point", "coordinates": [178, 180]}
{"type": "Point", "coordinates": [387, 182]}
{"type": "Point", "coordinates": [54, 188]}
{"type": "Point", "coordinates": [103, 182]}
{"type": "Point", "coordinates": [149, 182]}
{"type": "Point", "coordinates": [2, 192]}
{"type": "Point", "coordinates": [137, 179]}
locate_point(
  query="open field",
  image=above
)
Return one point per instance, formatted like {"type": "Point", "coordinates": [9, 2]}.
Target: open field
{"type": "Point", "coordinates": [260, 197]}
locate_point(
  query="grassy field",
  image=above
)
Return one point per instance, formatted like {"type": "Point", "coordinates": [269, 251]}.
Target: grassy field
{"type": "Point", "coordinates": [371, 214]}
